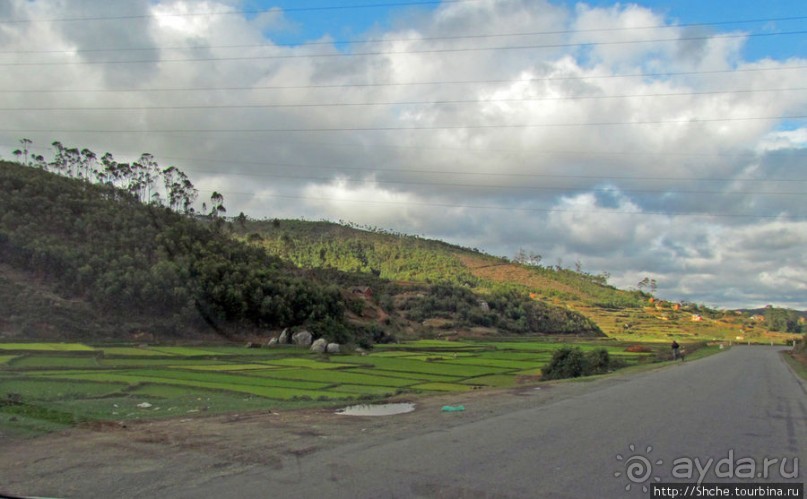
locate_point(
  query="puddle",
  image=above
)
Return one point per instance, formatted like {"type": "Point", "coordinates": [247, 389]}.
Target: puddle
{"type": "Point", "coordinates": [376, 409]}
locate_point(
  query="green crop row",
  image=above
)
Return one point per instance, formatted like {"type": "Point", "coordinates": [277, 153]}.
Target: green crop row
{"type": "Point", "coordinates": [44, 386]}
{"type": "Point", "coordinates": [56, 347]}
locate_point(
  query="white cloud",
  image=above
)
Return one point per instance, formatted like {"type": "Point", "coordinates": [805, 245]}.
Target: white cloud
{"type": "Point", "coordinates": [547, 147]}
{"type": "Point", "coordinates": [791, 139]}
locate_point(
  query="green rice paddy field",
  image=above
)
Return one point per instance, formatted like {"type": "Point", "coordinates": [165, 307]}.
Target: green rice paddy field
{"type": "Point", "coordinates": [47, 386]}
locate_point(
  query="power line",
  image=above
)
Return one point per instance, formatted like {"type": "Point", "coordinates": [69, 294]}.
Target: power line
{"type": "Point", "coordinates": [797, 218]}
{"type": "Point", "coordinates": [237, 12]}
{"type": "Point", "coordinates": [402, 52]}
{"type": "Point", "coordinates": [506, 187]}
{"type": "Point", "coordinates": [405, 84]}
{"type": "Point", "coordinates": [395, 40]}
{"type": "Point", "coordinates": [391, 103]}
{"type": "Point", "coordinates": [470, 173]}
{"type": "Point", "coordinates": [692, 121]}
{"type": "Point", "coordinates": [597, 154]}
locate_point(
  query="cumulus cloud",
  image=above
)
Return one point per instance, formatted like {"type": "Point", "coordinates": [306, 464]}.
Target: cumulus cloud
{"type": "Point", "coordinates": [605, 136]}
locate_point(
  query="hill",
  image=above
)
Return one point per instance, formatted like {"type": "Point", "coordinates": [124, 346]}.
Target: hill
{"type": "Point", "coordinates": [404, 259]}
{"type": "Point", "coordinates": [93, 260]}
{"type": "Point", "coordinates": [99, 254]}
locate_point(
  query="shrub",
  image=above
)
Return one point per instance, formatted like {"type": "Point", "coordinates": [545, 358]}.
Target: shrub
{"type": "Point", "coordinates": [567, 362]}
{"type": "Point", "coordinates": [571, 362]}
{"type": "Point", "coordinates": [597, 362]}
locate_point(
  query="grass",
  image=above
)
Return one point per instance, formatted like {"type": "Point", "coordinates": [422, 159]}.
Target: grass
{"type": "Point", "coordinates": [307, 363]}
{"type": "Point", "coordinates": [53, 347]}
{"type": "Point", "coordinates": [134, 352]}
{"type": "Point", "coordinates": [49, 390]}
{"type": "Point", "coordinates": [799, 367]}
{"type": "Point", "coordinates": [46, 386]}
{"type": "Point", "coordinates": [339, 377]}
{"type": "Point", "coordinates": [54, 362]}
{"type": "Point", "coordinates": [223, 367]}
{"type": "Point", "coordinates": [494, 380]}
{"type": "Point", "coordinates": [442, 387]}
{"type": "Point", "coordinates": [149, 362]}
{"type": "Point", "coordinates": [421, 367]}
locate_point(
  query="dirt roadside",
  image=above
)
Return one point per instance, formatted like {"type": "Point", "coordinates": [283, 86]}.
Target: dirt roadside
{"type": "Point", "coordinates": [138, 459]}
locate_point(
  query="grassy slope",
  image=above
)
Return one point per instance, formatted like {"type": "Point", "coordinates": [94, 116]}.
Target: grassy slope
{"type": "Point", "coordinates": [625, 315]}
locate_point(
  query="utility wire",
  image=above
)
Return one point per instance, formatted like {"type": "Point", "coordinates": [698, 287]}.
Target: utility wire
{"type": "Point", "coordinates": [470, 173]}
{"type": "Point", "coordinates": [543, 79]}
{"type": "Point", "coordinates": [797, 218]}
{"type": "Point", "coordinates": [504, 187]}
{"type": "Point", "coordinates": [692, 121]}
{"type": "Point", "coordinates": [396, 40]}
{"type": "Point", "coordinates": [401, 52]}
{"type": "Point", "coordinates": [237, 12]}
{"type": "Point", "coordinates": [392, 103]}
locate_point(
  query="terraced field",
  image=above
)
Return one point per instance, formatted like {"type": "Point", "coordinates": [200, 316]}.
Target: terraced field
{"type": "Point", "coordinates": [44, 386]}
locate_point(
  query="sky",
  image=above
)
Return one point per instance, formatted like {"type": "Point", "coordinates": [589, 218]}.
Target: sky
{"type": "Point", "coordinates": [658, 139]}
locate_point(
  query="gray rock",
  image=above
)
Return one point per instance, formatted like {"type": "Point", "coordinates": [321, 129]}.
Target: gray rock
{"type": "Point", "coordinates": [302, 338]}
{"type": "Point", "coordinates": [319, 346]}
{"type": "Point", "coordinates": [284, 337]}
{"type": "Point", "coordinates": [272, 342]}
{"type": "Point", "coordinates": [332, 348]}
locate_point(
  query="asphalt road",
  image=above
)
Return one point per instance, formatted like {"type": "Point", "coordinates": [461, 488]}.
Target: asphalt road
{"type": "Point", "coordinates": [739, 408]}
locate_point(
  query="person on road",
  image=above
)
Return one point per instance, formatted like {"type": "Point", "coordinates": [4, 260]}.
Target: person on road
{"type": "Point", "coordinates": [675, 352]}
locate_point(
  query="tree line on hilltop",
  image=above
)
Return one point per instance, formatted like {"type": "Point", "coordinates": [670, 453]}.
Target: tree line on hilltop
{"type": "Point", "coordinates": [143, 178]}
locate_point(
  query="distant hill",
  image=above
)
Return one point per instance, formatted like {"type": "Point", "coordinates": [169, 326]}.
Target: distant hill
{"type": "Point", "coordinates": [779, 319]}
{"type": "Point", "coordinates": [406, 259]}
{"type": "Point", "coordinates": [90, 257]}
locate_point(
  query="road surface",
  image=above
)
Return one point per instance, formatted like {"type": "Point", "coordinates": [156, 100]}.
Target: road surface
{"type": "Point", "coordinates": [741, 406]}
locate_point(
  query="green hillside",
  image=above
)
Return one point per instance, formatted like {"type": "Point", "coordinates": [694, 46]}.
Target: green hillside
{"type": "Point", "coordinates": [406, 260]}
{"type": "Point", "coordinates": [99, 253]}
{"type": "Point", "coordinates": [82, 259]}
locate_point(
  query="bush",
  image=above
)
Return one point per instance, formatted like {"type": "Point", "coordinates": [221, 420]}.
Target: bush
{"type": "Point", "coordinates": [571, 362]}
{"type": "Point", "coordinates": [566, 362]}
{"type": "Point", "coordinates": [597, 361]}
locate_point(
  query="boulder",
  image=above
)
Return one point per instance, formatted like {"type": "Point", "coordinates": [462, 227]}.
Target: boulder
{"type": "Point", "coordinates": [284, 337]}
{"type": "Point", "coordinates": [332, 348]}
{"type": "Point", "coordinates": [319, 346]}
{"type": "Point", "coordinates": [302, 338]}
{"type": "Point", "coordinates": [272, 342]}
